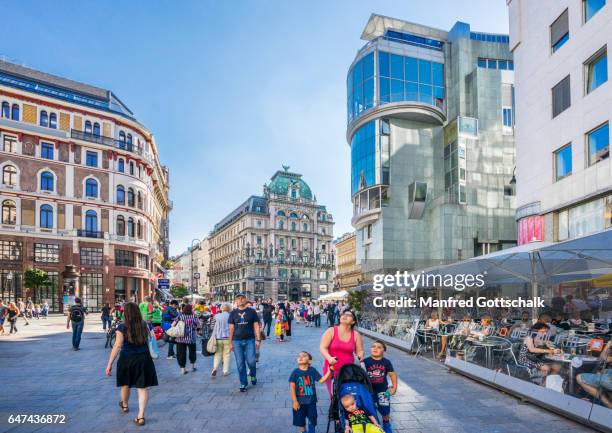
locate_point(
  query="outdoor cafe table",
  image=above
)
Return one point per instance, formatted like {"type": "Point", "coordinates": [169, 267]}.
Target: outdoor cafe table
{"type": "Point", "coordinates": [567, 358]}
{"type": "Point", "coordinates": [488, 346]}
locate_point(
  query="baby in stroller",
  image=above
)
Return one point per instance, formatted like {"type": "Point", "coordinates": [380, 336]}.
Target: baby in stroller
{"type": "Point", "coordinates": [358, 420]}
{"type": "Point", "coordinates": [352, 406]}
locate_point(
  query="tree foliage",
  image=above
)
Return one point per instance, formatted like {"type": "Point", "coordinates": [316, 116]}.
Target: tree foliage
{"type": "Point", "coordinates": [179, 291]}
{"type": "Point", "coordinates": [356, 299]}
{"type": "Point", "coordinates": [35, 278]}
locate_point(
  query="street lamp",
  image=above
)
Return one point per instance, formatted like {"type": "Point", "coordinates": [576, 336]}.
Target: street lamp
{"type": "Point", "coordinates": [191, 263]}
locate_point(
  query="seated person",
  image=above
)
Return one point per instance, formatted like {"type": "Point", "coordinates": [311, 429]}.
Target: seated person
{"type": "Point", "coordinates": [599, 385]}
{"type": "Point", "coordinates": [560, 322]}
{"type": "Point", "coordinates": [576, 321]}
{"type": "Point", "coordinates": [524, 323]}
{"type": "Point", "coordinates": [433, 323]}
{"type": "Point", "coordinates": [546, 319]}
{"type": "Point", "coordinates": [487, 328]}
{"type": "Point", "coordinates": [533, 350]}
{"type": "Point", "coordinates": [460, 334]}
{"type": "Point", "coordinates": [357, 419]}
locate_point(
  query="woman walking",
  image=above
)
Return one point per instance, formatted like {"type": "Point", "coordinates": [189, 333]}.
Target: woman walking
{"type": "Point", "coordinates": [221, 333]}
{"type": "Point", "coordinates": [188, 340]}
{"type": "Point", "coordinates": [135, 367]}
{"type": "Point", "coordinates": [340, 344]}
{"type": "Point", "coordinates": [12, 315]}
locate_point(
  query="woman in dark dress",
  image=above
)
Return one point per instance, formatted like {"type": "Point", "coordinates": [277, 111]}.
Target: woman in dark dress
{"type": "Point", "coordinates": [135, 366]}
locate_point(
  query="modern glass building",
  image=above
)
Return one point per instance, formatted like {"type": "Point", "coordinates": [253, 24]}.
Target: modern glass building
{"type": "Point", "coordinates": [430, 123]}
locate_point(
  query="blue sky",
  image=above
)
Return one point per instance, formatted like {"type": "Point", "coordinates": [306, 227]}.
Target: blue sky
{"type": "Point", "coordinates": [230, 89]}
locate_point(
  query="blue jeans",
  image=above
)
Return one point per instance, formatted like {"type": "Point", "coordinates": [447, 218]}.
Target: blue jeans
{"type": "Point", "coordinates": [244, 351]}
{"type": "Point", "coordinates": [77, 330]}
{"type": "Point", "coordinates": [106, 320]}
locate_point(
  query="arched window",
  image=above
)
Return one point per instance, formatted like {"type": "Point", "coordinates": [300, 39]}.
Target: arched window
{"type": "Point", "coordinates": [9, 212]}
{"type": "Point", "coordinates": [304, 216]}
{"type": "Point", "coordinates": [5, 110]}
{"type": "Point", "coordinates": [96, 129]}
{"type": "Point", "coordinates": [46, 181]}
{"type": "Point", "coordinates": [132, 168]}
{"type": "Point", "coordinates": [121, 166]}
{"type": "Point", "coordinates": [139, 229]}
{"type": "Point", "coordinates": [44, 118]}
{"type": "Point", "coordinates": [46, 216]}
{"type": "Point", "coordinates": [293, 215]}
{"type": "Point", "coordinates": [120, 194]}
{"type": "Point", "coordinates": [53, 120]}
{"type": "Point", "coordinates": [293, 193]}
{"type": "Point", "coordinates": [87, 127]}
{"type": "Point", "coordinates": [131, 197]}
{"type": "Point", "coordinates": [15, 112]}
{"type": "Point", "coordinates": [139, 200]}
{"type": "Point", "coordinates": [280, 213]}
{"type": "Point", "coordinates": [91, 221]}
{"type": "Point", "coordinates": [120, 225]}
{"type": "Point", "coordinates": [91, 188]}
{"type": "Point", "coordinates": [9, 175]}
{"type": "Point", "coordinates": [130, 227]}
{"type": "Point", "coordinates": [121, 140]}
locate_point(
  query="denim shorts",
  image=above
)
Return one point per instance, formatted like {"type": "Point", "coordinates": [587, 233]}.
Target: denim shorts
{"type": "Point", "coordinates": [305, 411]}
{"type": "Point", "coordinates": [603, 380]}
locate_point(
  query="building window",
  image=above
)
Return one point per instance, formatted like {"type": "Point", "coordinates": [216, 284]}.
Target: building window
{"type": "Point", "coordinates": [46, 253]}
{"type": "Point", "coordinates": [120, 194]}
{"type": "Point", "coordinates": [6, 110]}
{"type": "Point", "coordinates": [91, 289]}
{"type": "Point", "coordinates": [139, 202]}
{"type": "Point", "coordinates": [53, 120]}
{"type": "Point", "coordinates": [143, 261]}
{"type": "Point", "coordinates": [293, 227]}
{"type": "Point", "coordinates": [121, 140]}
{"type": "Point", "coordinates": [9, 212]}
{"type": "Point", "coordinates": [91, 159]}
{"type": "Point", "coordinates": [130, 200]}
{"type": "Point", "coordinates": [10, 250]}
{"type": "Point", "coordinates": [305, 227]}
{"type": "Point", "coordinates": [507, 117]}
{"type": "Point", "coordinates": [598, 141]}
{"type": "Point", "coordinates": [91, 256]}
{"type": "Point", "coordinates": [10, 144]}
{"type": "Point", "coordinates": [129, 142]}
{"type": "Point", "coordinates": [124, 258]}
{"type": "Point", "coordinates": [139, 229]}
{"type": "Point", "coordinates": [15, 112]}
{"type": "Point", "coordinates": [87, 127]}
{"type": "Point", "coordinates": [46, 216]}
{"type": "Point", "coordinates": [46, 150]}
{"type": "Point", "coordinates": [130, 227]}
{"type": "Point", "coordinates": [559, 31]}
{"type": "Point", "coordinates": [563, 162]}
{"type": "Point", "coordinates": [91, 221]}
{"type": "Point", "coordinates": [9, 175]}
{"type": "Point", "coordinates": [596, 70]}
{"type": "Point", "coordinates": [281, 225]}
{"type": "Point", "coordinates": [44, 118]}
{"type": "Point", "coordinates": [96, 129]}
{"type": "Point", "coordinates": [132, 168]}
{"type": "Point", "coordinates": [46, 181]}
{"type": "Point", "coordinates": [561, 98]}
{"type": "Point", "coordinates": [91, 188]}
{"type": "Point", "coordinates": [591, 7]}
{"type": "Point", "coordinates": [120, 225]}
{"type": "Point", "coordinates": [363, 157]}
{"type": "Point", "coordinates": [121, 166]}
{"type": "Point", "coordinates": [360, 87]}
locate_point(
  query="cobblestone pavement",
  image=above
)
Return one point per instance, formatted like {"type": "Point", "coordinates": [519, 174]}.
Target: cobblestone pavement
{"type": "Point", "coordinates": [42, 375]}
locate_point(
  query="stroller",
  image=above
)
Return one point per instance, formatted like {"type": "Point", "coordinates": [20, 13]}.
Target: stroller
{"type": "Point", "coordinates": [352, 379]}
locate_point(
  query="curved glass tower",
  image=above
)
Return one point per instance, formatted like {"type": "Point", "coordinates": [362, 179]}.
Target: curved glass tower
{"type": "Point", "coordinates": [429, 124]}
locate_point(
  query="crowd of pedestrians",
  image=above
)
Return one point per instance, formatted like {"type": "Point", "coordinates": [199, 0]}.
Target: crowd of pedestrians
{"type": "Point", "coordinates": [11, 312]}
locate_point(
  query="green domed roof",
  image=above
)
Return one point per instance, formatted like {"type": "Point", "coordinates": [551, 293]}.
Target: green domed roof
{"type": "Point", "coordinates": [283, 179]}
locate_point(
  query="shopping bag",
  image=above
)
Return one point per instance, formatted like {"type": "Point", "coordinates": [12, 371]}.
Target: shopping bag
{"type": "Point", "coordinates": [152, 343]}
{"type": "Point", "coordinates": [177, 330]}
{"type": "Point", "coordinates": [277, 329]}
{"type": "Point", "coordinates": [211, 345]}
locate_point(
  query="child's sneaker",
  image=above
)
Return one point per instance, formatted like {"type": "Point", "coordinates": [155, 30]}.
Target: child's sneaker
{"type": "Point", "coordinates": [253, 380]}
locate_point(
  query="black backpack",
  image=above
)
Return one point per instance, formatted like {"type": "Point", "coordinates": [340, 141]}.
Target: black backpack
{"type": "Point", "coordinates": [76, 314]}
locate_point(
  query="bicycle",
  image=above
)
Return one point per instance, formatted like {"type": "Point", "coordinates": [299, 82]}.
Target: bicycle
{"type": "Point", "coordinates": [111, 334]}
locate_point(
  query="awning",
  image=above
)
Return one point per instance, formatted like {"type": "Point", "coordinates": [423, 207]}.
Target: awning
{"type": "Point", "coordinates": [334, 296]}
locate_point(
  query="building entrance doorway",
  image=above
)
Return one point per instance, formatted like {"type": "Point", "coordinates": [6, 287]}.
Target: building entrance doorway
{"type": "Point", "coordinates": [294, 294]}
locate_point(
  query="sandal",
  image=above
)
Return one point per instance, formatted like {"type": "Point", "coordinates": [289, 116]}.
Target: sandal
{"type": "Point", "coordinates": [124, 408]}
{"type": "Point", "coordinates": [139, 421]}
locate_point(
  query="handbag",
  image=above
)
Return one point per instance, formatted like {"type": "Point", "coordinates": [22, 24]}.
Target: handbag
{"type": "Point", "coordinates": [153, 348]}
{"type": "Point", "coordinates": [211, 345]}
{"type": "Point", "coordinates": [277, 329]}
{"type": "Point", "coordinates": [177, 330]}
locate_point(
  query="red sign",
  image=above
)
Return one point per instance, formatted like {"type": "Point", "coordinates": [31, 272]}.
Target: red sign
{"type": "Point", "coordinates": [531, 229]}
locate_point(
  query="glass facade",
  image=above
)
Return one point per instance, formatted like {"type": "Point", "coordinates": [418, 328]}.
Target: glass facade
{"type": "Point", "coordinates": [360, 87]}
{"type": "Point", "coordinates": [363, 157]}
{"type": "Point", "coordinates": [410, 79]}
{"type": "Point", "coordinates": [91, 291]}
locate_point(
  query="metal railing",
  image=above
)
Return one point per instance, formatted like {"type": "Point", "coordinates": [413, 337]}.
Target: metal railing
{"type": "Point", "coordinates": [109, 141]}
{"type": "Point", "coordinates": [90, 234]}
{"type": "Point", "coordinates": [363, 107]}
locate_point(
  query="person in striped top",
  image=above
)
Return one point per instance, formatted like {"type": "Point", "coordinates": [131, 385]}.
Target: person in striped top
{"type": "Point", "coordinates": [188, 340]}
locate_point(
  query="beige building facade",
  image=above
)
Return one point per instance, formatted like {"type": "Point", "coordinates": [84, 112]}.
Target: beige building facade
{"type": "Point", "coordinates": [348, 272]}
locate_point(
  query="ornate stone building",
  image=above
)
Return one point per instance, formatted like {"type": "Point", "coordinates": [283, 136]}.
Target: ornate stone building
{"type": "Point", "coordinates": [278, 245]}
{"type": "Point", "coordinates": [348, 272]}
{"type": "Point", "coordinates": [81, 186]}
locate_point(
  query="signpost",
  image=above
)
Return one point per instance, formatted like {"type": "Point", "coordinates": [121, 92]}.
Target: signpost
{"type": "Point", "coordinates": [163, 283]}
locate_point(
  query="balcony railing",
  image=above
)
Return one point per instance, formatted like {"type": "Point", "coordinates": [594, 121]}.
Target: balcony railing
{"type": "Point", "coordinates": [109, 141]}
{"type": "Point", "coordinates": [90, 234]}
